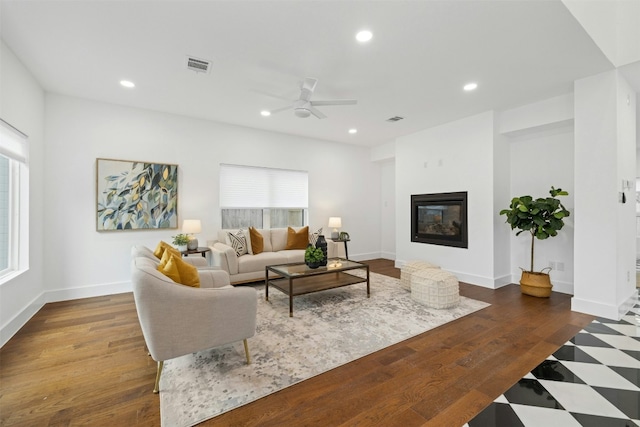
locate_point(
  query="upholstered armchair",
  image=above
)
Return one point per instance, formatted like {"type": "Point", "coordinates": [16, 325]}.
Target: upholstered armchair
{"type": "Point", "coordinates": [178, 320]}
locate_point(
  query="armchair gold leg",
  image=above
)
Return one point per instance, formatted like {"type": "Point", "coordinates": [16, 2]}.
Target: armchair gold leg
{"type": "Point", "coordinates": [246, 351]}
{"type": "Point", "coordinates": [156, 389]}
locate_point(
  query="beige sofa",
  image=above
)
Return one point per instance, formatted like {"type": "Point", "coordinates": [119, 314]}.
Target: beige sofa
{"type": "Point", "coordinates": [178, 320]}
{"type": "Point", "coordinates": [250, 267]}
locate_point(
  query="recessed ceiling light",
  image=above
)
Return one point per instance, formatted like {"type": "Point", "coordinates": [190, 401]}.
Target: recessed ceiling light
{"type": "Point", "coordinates": [352, 131]}
{"type": "Point", "coordinates": [364, 36]}
{"type": "Point", "coordinates": [265, 113]}
{"type": "Point", "coordinates": [470, 86]}
{"type": "Point", "coordinates": [127, 84]}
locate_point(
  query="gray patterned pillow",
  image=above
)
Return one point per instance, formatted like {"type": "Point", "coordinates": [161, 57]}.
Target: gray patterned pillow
{"type": "Point", "coordinates": [238, 243]}
{"type": "Point", "coordinates": [313, 237]}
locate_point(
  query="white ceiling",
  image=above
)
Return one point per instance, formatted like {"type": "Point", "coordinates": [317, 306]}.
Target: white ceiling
{"type": "Point", "coordinates": [421, 55]}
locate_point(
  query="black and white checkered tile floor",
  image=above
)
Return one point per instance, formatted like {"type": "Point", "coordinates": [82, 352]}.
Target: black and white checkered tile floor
{"type": "Point", "coordinates": [593, 380]}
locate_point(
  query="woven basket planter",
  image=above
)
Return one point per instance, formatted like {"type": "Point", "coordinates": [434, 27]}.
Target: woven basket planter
{"type": "Point", "coordinates": [411, 267]}
{"type": "Point", "coordinates": [435, 288]}
{"type": "Point", "coordinates": [535, 284]}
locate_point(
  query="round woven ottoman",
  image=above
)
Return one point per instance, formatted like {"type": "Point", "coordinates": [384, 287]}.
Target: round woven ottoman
{"type": "Point", "coordinates": [407, 270]}
{"type": "Point", "coordinates": [435, 288]}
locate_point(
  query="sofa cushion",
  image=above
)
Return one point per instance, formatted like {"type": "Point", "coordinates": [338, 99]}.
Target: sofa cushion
{"type": "Point", "coordinates": [257, 241]}
{"type": "Point", "coordinates": [247, 264]}
{"type": "Point", "coordinates": [278, 239]}
{"type": "Point", "coordinates": [180, 272]}
{"type": "Point", "coordinates": [297, 239]}
{"type": "Point", "coordinates": [238, 242]}
{"type": "Point", "coordinates": [293, 255]}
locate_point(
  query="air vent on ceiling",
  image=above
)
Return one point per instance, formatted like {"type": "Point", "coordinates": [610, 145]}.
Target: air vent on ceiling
{"type": "Point", "coordinates": [394, 119]}
{"type": "Point", "coordinates": [198, 65]}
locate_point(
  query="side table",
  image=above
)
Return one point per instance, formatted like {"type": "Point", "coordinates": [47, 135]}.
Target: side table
{"type": "Point", "coordinates": [201, 250]}
{"type": "Point", "coordinates": [346, 250]}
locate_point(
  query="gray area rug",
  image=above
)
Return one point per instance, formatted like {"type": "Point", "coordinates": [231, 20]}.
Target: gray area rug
{"type": "Point", "coordinates": [329, 329]}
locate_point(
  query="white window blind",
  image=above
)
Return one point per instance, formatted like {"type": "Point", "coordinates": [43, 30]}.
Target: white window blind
{"type": "Point", "coordinates": [13, 143]}
{"type": "Point", "coordinates": [254, 187]}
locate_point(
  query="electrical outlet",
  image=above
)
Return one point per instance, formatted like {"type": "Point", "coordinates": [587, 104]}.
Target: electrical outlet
{"type": "Point", "coordinates": [552, 265]}
{"type": "Point", "coordinates": [560, 266]}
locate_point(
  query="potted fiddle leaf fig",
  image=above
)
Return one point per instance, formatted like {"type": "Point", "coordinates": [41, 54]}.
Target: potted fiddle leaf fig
{"type": "Point", "coordinates": [542, 218]}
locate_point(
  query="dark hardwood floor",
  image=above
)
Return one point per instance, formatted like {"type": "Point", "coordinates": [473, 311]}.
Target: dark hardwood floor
{"type": "Point", "coordinates": [84, 362]}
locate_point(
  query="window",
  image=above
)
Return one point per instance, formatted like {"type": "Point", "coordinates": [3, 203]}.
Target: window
{"type": "Point", "coordinates": [13, 170]}
{"type": "Point", "coordinates": [263, 197]}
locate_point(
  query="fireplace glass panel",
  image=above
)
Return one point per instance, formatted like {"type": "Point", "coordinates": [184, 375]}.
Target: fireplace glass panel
{"type": "Point", "coordinates": [439, 219]}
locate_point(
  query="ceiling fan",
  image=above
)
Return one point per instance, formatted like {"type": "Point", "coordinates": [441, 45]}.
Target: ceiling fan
{"type": "Point", "coordinates": [304, 106]}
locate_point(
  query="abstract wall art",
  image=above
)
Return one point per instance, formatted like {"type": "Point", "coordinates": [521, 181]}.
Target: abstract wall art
{"type": "Point", "coordinates": [134, 195]}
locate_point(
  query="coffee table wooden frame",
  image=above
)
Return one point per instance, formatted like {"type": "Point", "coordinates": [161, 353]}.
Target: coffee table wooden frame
{"type": "Point", "coordinates": [297, 279]}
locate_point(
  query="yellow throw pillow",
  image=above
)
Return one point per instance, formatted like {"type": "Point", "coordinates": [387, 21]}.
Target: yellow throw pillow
{"type": "Point", "coordinates": [297, 239]}
{"type": "Point", "coordinates": [161, 247]}
{"type": "Point", "coordinates": [166, 256]}
{"type": "Point", "coordinates": [180, 272]}
{"type": "Point", "coordinates": [170, 269]}
{"type": "Point", "coordinates": [257, 241]}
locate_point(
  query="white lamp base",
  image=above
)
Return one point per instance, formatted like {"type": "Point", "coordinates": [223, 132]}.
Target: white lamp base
{"type": "Point", "coordinates": [193, 244]}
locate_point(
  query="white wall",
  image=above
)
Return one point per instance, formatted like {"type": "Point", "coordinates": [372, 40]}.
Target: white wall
{"type": "Point", "coordinates": [535, 178]}
{"type": "Point", "coordinates": [604, 227]}
{"type": "Point", "coordinates": [458, 157]}
{"type": "Point", "coordinates": [626, 132]}
{"type": "Point", "coordinates": [22, 105]}
{"type": "Point", "coordinates": [79, 131]}
{"type": "Point", "coordinates": [388, 209]}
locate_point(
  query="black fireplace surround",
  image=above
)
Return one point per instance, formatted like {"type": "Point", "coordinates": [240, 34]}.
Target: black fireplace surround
{"type": "Point", "coordinates": [440, 219]}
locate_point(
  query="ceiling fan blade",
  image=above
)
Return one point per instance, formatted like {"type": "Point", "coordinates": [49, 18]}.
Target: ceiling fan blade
{"type": "Point", "coordinates": [277, 110]}
{"type": "Point", "coordinates": [335, 102]}
{"type": "Point", "coordinates": [309, 84]}
{"type": "Point", "coordinates": [306, 88]}
{"type": "Point", "coordinates": [316, 112]}
{"type": "Point", "coordinates": [271, 95]}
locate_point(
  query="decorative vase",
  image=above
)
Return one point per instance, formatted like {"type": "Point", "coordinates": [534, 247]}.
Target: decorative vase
{"type": "Point", "coordinates": [314, 264]}
{"type": "Point", "coordinates": [322, 244]}
{"type": "Point", "coordinates": [181, 248]}
{"type": "Point", "coordinates": [535, 284]}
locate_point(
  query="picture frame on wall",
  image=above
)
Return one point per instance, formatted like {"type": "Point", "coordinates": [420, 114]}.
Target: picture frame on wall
{"type": "Point", "coordinates": [134, 195]}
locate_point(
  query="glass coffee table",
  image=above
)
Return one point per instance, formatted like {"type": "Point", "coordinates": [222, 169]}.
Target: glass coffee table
{"type": "Point", "coordinates": [297, 279]}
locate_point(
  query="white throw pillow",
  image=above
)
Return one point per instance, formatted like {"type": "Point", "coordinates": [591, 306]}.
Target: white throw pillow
{"type": "Point", "coordinates": [238, 242]}
{"type": "Point", "coordinates": [313, 237]}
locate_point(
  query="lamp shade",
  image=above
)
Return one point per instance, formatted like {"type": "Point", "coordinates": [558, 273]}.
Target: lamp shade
{"type": "Point", "coordinates": [191, 226]}
{"type": "Point", "coordinates": [335, 222]}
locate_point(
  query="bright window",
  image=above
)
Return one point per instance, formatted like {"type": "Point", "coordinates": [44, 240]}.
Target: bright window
{"type": "Point", "coordinates": [13, 206]}
{"type": "Point", "coordinates": [263, 197]}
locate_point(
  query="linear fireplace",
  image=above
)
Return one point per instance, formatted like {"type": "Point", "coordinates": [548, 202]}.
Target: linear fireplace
{"type": "Point", "coordinates": [440, 219]}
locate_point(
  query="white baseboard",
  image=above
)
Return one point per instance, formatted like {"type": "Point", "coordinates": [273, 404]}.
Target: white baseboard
{"type": "Point", "coordinates": [609, 311]}
{"type": "Point", "coordinates": [628, 304]}
{"type": "Point", "coordinates": [88, 291]}
{"type": "Point", "coordinates": [365, 256]}
{"type": "Point", "coordinates": [14, 325]}
{"type": "Point", "coordinates": [485, 282]}
{"type": "Point", "coordinates": [388, 255]}
{"type": "Point", "coordinates": [19, 320]}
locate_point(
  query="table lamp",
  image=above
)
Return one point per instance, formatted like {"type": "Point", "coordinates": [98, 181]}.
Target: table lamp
{"type": "Point", "coordinates": [335, 222]}
{"type": "Point", "coordinates": [191, 226]}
